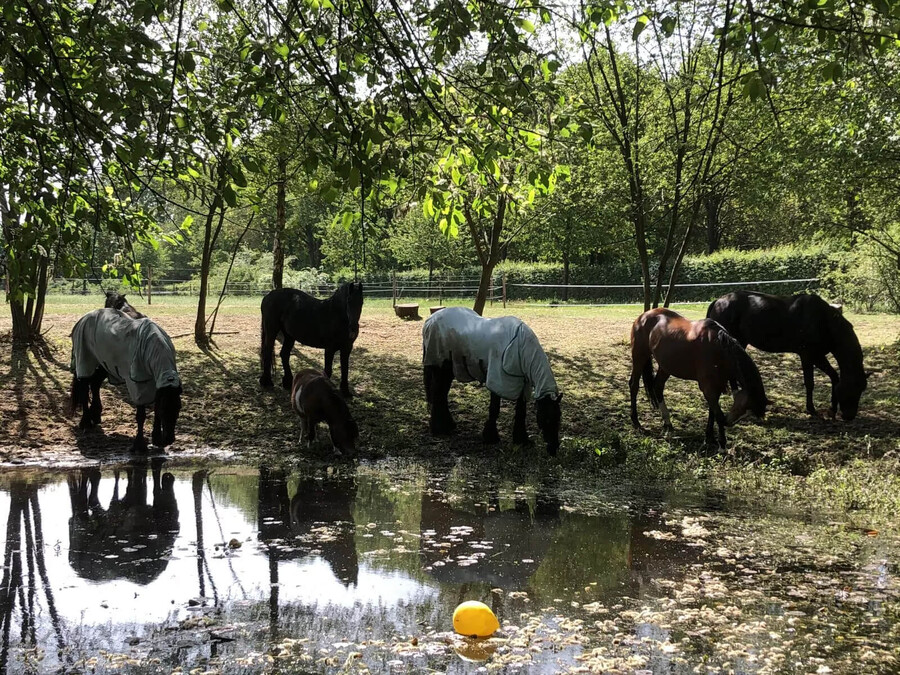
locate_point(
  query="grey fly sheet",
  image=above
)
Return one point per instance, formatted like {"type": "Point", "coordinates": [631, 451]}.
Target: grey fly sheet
{"type": "Point", "coordinates": [133, 352]}
{"type": "Point", "coordinates": [503, 353]}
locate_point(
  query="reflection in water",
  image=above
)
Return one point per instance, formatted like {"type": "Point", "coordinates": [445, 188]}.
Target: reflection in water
{"type": "Point", "coordinates": [129, 539]}
{"type": "Point", "coordinates": [370, 559]}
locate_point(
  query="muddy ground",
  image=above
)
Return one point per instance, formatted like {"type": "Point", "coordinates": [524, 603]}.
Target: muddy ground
{"type": "Point", "coordinates": [227, 415]}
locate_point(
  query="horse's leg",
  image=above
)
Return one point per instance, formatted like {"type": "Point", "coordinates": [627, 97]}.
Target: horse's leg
{"type": "Point", "coordinates": [345, 367]}
{"type": "Point", "coordinates": [303, 428]}
{"type": "Point", "coordinates": [441, 420]}
{"type": "Point", "coordinates": [329, 362]}
{"type": "Point", "coordinates": [808, 381]}
{"type": "Point", "coordinates": [520, 433]}
{"type": "Point", "coordinates": [659, 383]}
{"type": "Point", "coordinates": [823, 365]}
{"type": "Point", "coordinates": [715, 414]}
{"type": "Point", "coordinates": [80, 397]}
{"type": "Point", "coordinates": [96, 404]}
{"type": "Point", "coordinates": [638, 362]}
{"type": "Point", "coordinates": [287, 345]}
{"type": "Point", "coordinates": [141, 416]}
{"type": "Point", "coordinates": [489, 434]}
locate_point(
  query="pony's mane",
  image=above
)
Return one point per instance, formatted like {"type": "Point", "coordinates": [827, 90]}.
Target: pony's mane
{"type": "Point", "coordinates": [847, 350]}
{"type": "Point", "coordinates": [747, 372]}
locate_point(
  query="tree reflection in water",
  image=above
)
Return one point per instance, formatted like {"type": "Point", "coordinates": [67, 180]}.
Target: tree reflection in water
{"type": "Point", "coordinates": [317, 520]}
{"type": "Point", "coordinates": [17, 590]}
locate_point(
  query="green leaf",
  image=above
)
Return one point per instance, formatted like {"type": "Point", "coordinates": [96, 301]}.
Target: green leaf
{"type": "Point", "coordinates": [229, 195]}
{"type": "Point", "coordinates": [639, 26]}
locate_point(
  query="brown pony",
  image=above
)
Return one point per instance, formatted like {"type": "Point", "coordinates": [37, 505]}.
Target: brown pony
{"type": "Point", "coordinates": [693, 350]}
{"type": "Point", "coordinates": [316, 400]}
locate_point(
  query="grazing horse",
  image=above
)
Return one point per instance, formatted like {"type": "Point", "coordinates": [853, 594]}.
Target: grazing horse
{"type": "Point", "coordinates": [118, 301]}
{"type": "Point", "coordinates": [315, 400]}
{"type": "Point", "coordinates": [332, 325]}
{"type": "Point", "coordinates": [503, 354]}
{"type": "Point", "coordinates": [802, 324]}
{"type": "Point", "coordinates": [135, 352]}
{"type": "Point", "coordinates": [693, 350]}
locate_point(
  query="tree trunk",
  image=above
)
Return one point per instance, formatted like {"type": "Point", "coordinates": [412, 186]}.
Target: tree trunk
{"type": "Point", "coordinates": [200, 336]}
{"type": "Point", "coordinates": [484, 286]}
{"type": "Point", "coordinates": [37, 318]}
{"type": "Point", "coordinates": [277, 245]}
{"type": "Point", "coordinates": [312, 246]}
{"type": "Point", "coordinates": [565, 276]}
{"type": "Point", "coordinates": [713, 233]}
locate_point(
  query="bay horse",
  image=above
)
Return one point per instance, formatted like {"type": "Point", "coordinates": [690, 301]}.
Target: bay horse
{"type": "Point", "coordinates": [693, 350]}
{"type": "Point", "coordinates": [315, 400]}
{"type": "Point", "coordinates": [118, 301]}
{"type": "Point", "coordinates": [136, 352]}
{"type": "Point", "coordinates": [505, 355]}
{"type": "Point", "coordinates": [331, 324]}
{"type": "Point", "coordinates": [802, 324]}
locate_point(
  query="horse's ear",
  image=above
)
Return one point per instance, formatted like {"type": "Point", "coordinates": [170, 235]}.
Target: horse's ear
{"type": "Point", "coordinates": [109, 294]}
{"type": "Point", "coordinates": [839, 307]}
{"type": "Point", "coordinates": [867, 373]}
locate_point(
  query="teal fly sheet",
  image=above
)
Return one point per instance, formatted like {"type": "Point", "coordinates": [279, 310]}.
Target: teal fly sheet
{"type": "Point", "coordinates": [133, 352]}
{"type": "Point", "coordinates": [503, 353]}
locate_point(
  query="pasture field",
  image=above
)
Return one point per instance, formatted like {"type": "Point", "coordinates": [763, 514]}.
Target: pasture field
{"type": "Point", "coordinates": [788, 455]}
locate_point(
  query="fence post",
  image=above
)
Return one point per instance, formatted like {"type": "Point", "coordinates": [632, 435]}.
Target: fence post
{"type": "Point", "coordinates": [504, 290]}
{"type": "Point", "coordinates": [440, 293]}
{"type": "Point", "coordinates": [149, 284]}
{"type": "Point", "coordinates": [393, 288]}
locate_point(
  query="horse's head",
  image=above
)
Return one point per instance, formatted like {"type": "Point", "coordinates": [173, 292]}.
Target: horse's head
{"type": "Point", "coordinates": [116, 300]}
{"type": "Point", "coordinates": [166, 411]}
{"type": "Point", "coordinates": [344, 436]}
{"type": "Point", "coordinates": [354, 303]}
{"type": "Point", "coordinates": [744, 404]}
{"type": "Point", "coordinates": [848, 392]}
{"type": "Point", "coordinates": [548, 417]}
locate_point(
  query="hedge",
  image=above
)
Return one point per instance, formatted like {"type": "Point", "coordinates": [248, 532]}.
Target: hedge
{"type": "Point", "coordinates": [738, 267]}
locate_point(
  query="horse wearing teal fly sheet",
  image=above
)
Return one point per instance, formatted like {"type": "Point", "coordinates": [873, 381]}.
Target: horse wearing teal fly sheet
{"type": "Point", "coordinates": [135, 352]}
{"type": "Point", "coordinates": [505, 355]}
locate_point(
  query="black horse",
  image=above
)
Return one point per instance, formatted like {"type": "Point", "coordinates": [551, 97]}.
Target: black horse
{"type": "Point", "coordinates": [332, 325]}
{"type": "Point", "coordinates": [802, 324]}
{"type": "Point", "coordinates": [118, 301]}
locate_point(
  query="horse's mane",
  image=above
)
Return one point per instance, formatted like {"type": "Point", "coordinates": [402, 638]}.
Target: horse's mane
{"type": "Point", "coordinates": [347, 292]}
{"type": "Point", "coordinates": [846, 349]}
{"type": "Point", "coordinates": [746, 371]}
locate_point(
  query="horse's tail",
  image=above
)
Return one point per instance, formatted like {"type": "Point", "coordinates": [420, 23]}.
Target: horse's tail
{"type": "Point", "coordinates": [640, 346]}
{"type": "Point", "coordinates": [73, 395]}
{"type": "Point", "coordinates": [747, 373]}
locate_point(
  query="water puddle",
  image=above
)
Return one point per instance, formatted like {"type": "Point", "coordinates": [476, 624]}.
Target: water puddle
{"type": "Point", "coordinates": [146, 568]}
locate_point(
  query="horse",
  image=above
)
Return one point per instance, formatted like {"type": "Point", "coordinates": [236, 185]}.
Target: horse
{"type": "Point", "coordinates": [802, 324]}
{"type": "Point", "coordinates": [332, 325]}
{"type": "Point", "coordinates": [505, 355]}
{"type": "Point", "coordinates": [693, 350]}
{"type": "Point", "coordinates": [108, 344]}
{"type": "Point", "coordinates": [118, 301]}
{"type": "Point", "coordinates": [315, 400]}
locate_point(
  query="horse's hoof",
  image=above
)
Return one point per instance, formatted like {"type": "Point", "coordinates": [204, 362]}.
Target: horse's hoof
{"type": "Point", "coordinates": [139, 445]}
{"type": "Point", "coordinates": [668, 429]}
{"type": "Point", "coordinates": [346, 393]}
{"type": "Point", "coordinates": [441, 429]}
{"type": "Point", "coordinates": [522, 440]}
{"type": "Point", "coordinates": [832, 413]}
{"type": "Point", "coordinates": [287, 382]}
{"type": "Point", "coordinates": [266, 382]}
{"type": "Point", "coordinates": [85, 424]}
{"type": "Point", "coordinates": [490, 436]}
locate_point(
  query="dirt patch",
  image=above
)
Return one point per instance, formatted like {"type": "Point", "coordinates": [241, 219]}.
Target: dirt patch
{"type": "Point", "coordinates": [225, 411]}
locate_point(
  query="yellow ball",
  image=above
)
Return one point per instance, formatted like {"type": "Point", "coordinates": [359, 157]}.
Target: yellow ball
{"type": "Point", "coordinates": [475, 618]}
